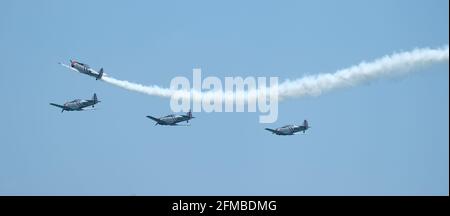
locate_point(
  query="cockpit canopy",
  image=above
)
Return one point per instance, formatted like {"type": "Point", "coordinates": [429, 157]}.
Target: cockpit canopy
{"type": "Point", "coordinates": [82, 64]}
{"type": "Point", "coordinates": [75, 101]}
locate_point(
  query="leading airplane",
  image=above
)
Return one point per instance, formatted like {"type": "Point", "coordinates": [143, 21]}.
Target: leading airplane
{"type": "Point", "coordinates": [290, 129]}
{"type": "Point", "coordinates": [77, 104]}
{"type": "Point", "coordinates": [85, 69]}
{"type": "Point", "coordinates": [172, 120]}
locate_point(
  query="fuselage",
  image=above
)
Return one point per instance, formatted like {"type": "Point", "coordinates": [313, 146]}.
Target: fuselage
{"type": "Point", "coordinates": [290, 129]}
{"type": "Point", "coordinates": [85, 69]}
{"type": "Point", "coordinates": [173, 119]}
{"type": "Point", "coordinates": [78, 104]}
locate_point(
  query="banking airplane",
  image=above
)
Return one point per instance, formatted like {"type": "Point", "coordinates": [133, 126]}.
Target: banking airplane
{"type": "Point", "coordinates": [172, 119]}
{"type": "Point", "coordinates": [85, 69]}
{"type": "Point", "coordinates": [77, 104]}
{"type": "Point", "coordinates": [290, 129]}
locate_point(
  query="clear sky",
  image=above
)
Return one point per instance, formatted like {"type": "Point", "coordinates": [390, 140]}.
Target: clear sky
{"type": "Point", "coordinates": [389, 137]}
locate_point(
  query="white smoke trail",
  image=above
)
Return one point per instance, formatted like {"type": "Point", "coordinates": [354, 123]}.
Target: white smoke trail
{"type": "Point", "coordinates": [389, 65]}
{"type": "Point", "coordinates": [150, 90]}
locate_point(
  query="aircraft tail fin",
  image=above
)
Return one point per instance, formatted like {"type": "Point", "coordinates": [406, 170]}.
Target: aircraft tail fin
{"type": "Point", "coordinates": [95, 99]}
{"type": "Point", "coordinates": [189, 114]}
{"type": "Point", "coordinates": [100, 74]}
{"type": "Point", "coordinates": [305, 123]}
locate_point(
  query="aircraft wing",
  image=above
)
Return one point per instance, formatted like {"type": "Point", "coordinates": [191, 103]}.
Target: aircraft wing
{"type": "Point", "coordinates": [67, 66]}
{"type": "Point", "coordinates": [271, 130]}
{"type": "Point", "coordinates": [87, 109]}
{"type": "Point", "coordinates": [57, 105]}
{"type": "Point", "coordinates": [182, 125]}
{"type": "Point", "coordinates": [155, 119]}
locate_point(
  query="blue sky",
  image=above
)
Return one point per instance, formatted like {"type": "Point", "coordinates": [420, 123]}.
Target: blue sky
{"type": "Point", "coordinates": [389, 137]}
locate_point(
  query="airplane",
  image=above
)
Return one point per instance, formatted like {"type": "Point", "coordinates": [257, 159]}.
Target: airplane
{"type": "Point", "coordinates": [290, 129]}
{"type": "Point", "coordinates": [172, 119]}
{"type": "Point", "coordinates": [77, 104]}
{"type": "Point", "coordinates": [85, 69]}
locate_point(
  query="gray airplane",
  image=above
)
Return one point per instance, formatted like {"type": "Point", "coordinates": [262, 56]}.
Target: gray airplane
{"type": "Point", "coordinates": [290, 129]}
{"type": "Point", "coordinates": [78, 104]}
{"type": "Point", "coordinates": [172, 119]}
{"type": "Point", "coordinates": [84, 68]}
